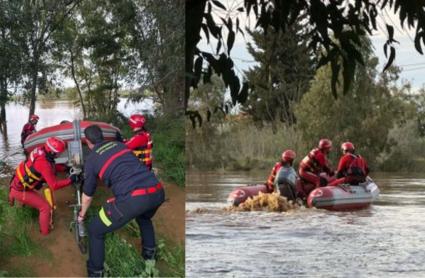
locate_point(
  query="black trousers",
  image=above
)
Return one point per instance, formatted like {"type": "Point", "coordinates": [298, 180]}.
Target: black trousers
{"type": "Point", "coordinates": [115, 215]}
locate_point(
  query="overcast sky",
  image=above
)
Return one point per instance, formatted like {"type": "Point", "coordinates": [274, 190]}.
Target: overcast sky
{"type": "Point", "coordinates": [412, 63]}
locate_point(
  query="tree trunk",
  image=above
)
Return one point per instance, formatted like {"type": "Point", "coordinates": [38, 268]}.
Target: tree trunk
{"type": "Point", "coordinates": [173, 98]}
{"type": "Point", "coordinates": [33, 96]}
{"type": "Point", "coordinates": [3, 101]}
{"type": "Point", "coordinates": [80, 94]}
{"type": "Point", "coordinates": [194, 11]}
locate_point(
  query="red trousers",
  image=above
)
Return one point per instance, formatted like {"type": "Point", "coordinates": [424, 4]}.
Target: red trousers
{"type": "Point", "coordinates": [32, 199]}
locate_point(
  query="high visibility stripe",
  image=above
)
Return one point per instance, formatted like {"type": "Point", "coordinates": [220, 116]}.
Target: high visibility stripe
{"type": "Point", "coordinates": [21, 179]}
{"type": "Point", "coordinates": [30, 174]}
{"type": "Point", "coordinates": [104, 218]}
{"type": "Point", "coordinates": [109, 161]}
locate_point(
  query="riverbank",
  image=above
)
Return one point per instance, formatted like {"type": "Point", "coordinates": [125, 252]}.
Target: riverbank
{"type": "Point", "coordinates": [25, 252]}
{"type": "Point", "coordinates": [240, 145]}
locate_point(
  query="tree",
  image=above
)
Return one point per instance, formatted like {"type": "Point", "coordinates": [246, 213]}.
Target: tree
{"type": "Point", "coordinates": [37, 20]}
{"type": "Point", "coordinates": [335, 29]}
{"type": "Point", "coordinates": [364, 116]}
{"type": "Point", "coordinates": [11, 58]}
{"type": "Point", "coordinates": [282, 76]}
{"type": "Point", "coordinates": [158, 40]}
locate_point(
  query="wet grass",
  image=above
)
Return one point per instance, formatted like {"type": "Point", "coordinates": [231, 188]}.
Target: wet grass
{"type": "Point", "coordinates": [16, 242]}
{"type": "Point", "coordinates": [122, 251]}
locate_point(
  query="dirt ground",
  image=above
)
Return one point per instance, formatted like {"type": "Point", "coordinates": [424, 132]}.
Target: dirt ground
{"type": "Point", "coordinates": [66, 259]}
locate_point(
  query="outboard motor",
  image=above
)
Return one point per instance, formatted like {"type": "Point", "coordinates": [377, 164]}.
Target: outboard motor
{"type": "Point", "coordinates": [286, 180]}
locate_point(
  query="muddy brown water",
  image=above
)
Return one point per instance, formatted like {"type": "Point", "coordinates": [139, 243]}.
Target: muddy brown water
{"type": "Point", "coordinates": [385, 240]}
{"type": "Point", "coordinates": [51, 112]}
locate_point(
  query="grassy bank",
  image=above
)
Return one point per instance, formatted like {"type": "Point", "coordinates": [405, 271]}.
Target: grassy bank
{"type": "Point", "coordinates": [123, 250]}
{"type": "Point", "coordinates": [15, 242]}
{"type": "Point", "coordinates": [122, 247]}
{"type": "Point", "coordinates": [240, 145]}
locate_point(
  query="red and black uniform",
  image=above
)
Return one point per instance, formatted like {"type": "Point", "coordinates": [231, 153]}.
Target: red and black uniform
{"type": "Point", "coordinates": [137, 195]}
{"type": "Point", "coordinates": [353, 168]}
{"type": "Point", "coordinates": [28, 129]}
{"type": "Point", "coordinates": [272, 176]}
{"type": "Point", "coordinates": [29, 176]}
{"type": "Point", "coordinates": [309, 170]}
{"type": "Point", "coordinates": [141, 144]}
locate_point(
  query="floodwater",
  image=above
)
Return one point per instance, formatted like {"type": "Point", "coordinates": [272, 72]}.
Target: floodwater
{"type": "Point", "coordinates": [51, 113]}
{"type": "Point", "coordinates": [384, 240]}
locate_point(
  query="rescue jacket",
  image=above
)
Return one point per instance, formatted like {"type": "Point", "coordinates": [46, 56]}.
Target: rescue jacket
{"type": "Point", "coordinates": [28, 129]}
{"type": "Point", "coordinates": [272, 176]}
{"type": "Point", "coordinates": [37, 169]}
{"type": "Point", "coordinates": [315, 162]}
{"type": "Point", "coordinates": [27, 175]}
{"type": "Point", "coordinates": [352, 165]}
{"type": "Point", "coordinates": [142, 145]}
{"type": "Point", "coordinates": [118, 168]}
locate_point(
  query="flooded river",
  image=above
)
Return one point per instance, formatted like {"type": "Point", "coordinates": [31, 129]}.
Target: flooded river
{"type": "Point", "coordinates": [385, 240]}
{"type": "Point", "coordinates": [51, 113]}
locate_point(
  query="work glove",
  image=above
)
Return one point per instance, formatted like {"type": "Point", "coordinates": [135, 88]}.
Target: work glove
{"type": "Point", "coordinates": [323, 181]}
{"type": "Point", "coordinates": [75, 178]}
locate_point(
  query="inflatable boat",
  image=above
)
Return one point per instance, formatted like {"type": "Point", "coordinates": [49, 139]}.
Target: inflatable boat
{"type": "Point", "coordinates": [344, 197]}
{"type": "Point", "coordinates": [65, 131]}
{"type": "Point", "coordinates": [69, 132]}
{"type": "Point", "coordinates": [241, 194]}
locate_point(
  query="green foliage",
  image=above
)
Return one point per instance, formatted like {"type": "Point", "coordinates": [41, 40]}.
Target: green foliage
{"type": "Point", "coordinates": [364, 116]}
{"type": "Point", "coordinates": [173, 256]}
{"type": "Point", "coordinates": [159, 34]}
{"type": "Point", "coordinates": [282, 76]}
{"type": "Point", "coordinates": [122, 259]}
{"type": "Point", "coordinates": [335, 30]}
{"type": "Point", "coordinates": [406, 149]}
{"type": "Point", "coordinates": [240, 145]}
{"type": "Point", "coordinates": [169, 148]}
{"type": "Point", "coordinates": [15, 224]}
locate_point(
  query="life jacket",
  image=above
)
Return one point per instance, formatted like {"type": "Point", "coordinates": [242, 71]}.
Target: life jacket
{"type": "Point", "coordinates": [310, 162]}
{"type": "Point", "coordinates": [27, 130]}
{"type": "Point", "coordinates": [27, 175]}
{"type": "Point", "coordinates": [144, 153]}
{"type": "Point", "coordinates": [357, 166]}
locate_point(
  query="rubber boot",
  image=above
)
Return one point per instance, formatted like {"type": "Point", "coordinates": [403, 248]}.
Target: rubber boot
{"type": "Point", "coordinates": [148, 253]}
{"type": "Point", "coordinates": [94, 273]}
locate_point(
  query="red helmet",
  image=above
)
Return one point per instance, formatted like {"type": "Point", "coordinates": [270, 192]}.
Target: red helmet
{"type": "Point", "coordinates": [288, 156]}
{"type": "Point", "coordinates": [55, 145]}
{"type": "Point", "coordinates": [347, 146]}
{"type": "Point", "coordinates": [136, 121]}
{"type": "Point", "coordinates": [325, 144]}
{"type": "Point", "coordinates": [34, 118]}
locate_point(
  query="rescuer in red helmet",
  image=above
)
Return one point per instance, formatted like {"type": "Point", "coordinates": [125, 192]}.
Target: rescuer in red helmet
{"type": "Point", "coordinates": [141, 143]}
{"type": "Point", "coordinates": [352, 168]}
{"type": "Point", "coordinates": [29, 128]}
{"type": "Point", "coordinates": [39, 168]}
{"type": "Point", "coordinates": [287, 159]}
{"type": "Point", "coordinates": [312, 166]}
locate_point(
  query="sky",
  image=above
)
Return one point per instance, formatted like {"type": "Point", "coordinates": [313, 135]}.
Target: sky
{"type": "Point", "coordinates": [411, 62]}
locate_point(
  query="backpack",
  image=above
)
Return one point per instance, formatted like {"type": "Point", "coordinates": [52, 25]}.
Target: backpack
{"type": "Point", "coordinates": [357, 166]}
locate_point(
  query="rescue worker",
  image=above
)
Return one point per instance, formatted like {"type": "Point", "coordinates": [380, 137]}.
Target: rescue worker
{"type": "Point", "coordinates": [137, 195]}
{"type": "Point", "coordinates": [141, 142]}
{"type": "Point", "coordinates": [283, 176]}
{"type": "Point", "coordinates": [352, 168]}
{"type": "Point", "coordinates": [39, 168]}
{"type": "Point", "coordinates": [312, 166]}
{"type": "Point", "coordinates": [29, 128]}
{"type": "Point", "coordinates": [286, 160]}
